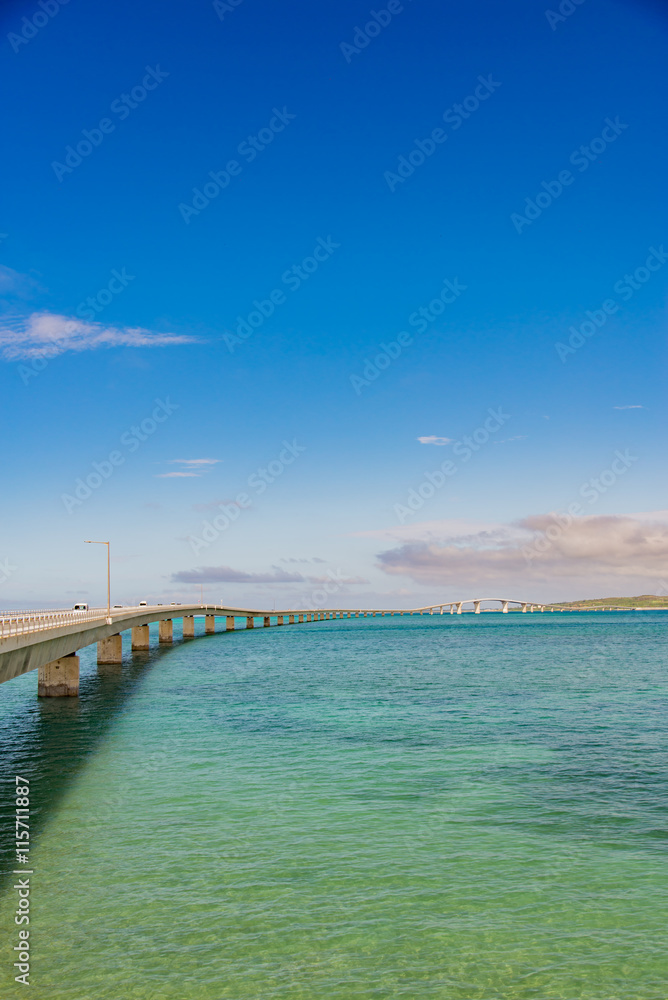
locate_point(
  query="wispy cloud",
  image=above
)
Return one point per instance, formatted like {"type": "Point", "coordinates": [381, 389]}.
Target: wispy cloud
{"type": "Point", "coordinates": [517, 437]}
{"type": "Point", "coordinates": [194, 461]}
{"type": "Point", "coordinates": [46, 334]}
{"type": "Point", "coordinates": [177, 475]}
{"type": "Point", "coordinates": [17, 286]}
{"type": "Point", "coordinates": [225, 574]}
{"type": "Point", "coordinates": [192, 468]}
{"type": "Point", "coordinates": [634, 406]}
{"type": "Point", "coordinates": [433, 439]}
{"type": "Point", "coordinates": [432, 530]}
{"type": "Point", "coordinates": [291, 559]}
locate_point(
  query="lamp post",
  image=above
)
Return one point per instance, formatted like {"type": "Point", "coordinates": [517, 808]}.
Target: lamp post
{"type": "Point", "coordinates": [89, 541]}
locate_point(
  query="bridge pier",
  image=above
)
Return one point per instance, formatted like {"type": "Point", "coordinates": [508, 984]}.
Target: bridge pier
{"type": "Point", "coordinates": [301, 619]}
{"type": "Point", "coordinates": [250, 621]}
{"type": "Point", "coordinates": [524, 608]}
{"type": "Point", "coordinates": [459, 608]}
{"type": "Point", "coordinates": [291, 620]}
{"type": "Point", "coordinates": [279, 619]}
{"type": "Point", "coordinates": [59, 678]}
{"type": "Point", "coordinates": [188, 626]}
{"type": "Point", "coordinates": [209, 624]}
{"type": "Point", "coordinates": [476, 606]}
{"type": "Point", "coordinates": [140, 637]}
{"type": "Point", "coordinates": [166, 631]}
{"type": "Point", "coordinates": [504, 607]}
{"type": "Point", "coordinates": [229, 623]}
{"type": "Point", "coordinates": [110, 650]}
{"type": "Point", "coordinates": [267, 621]}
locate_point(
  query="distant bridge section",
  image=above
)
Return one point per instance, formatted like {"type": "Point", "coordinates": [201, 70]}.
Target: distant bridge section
{"type": "Point", "coordinates": [48, 641]}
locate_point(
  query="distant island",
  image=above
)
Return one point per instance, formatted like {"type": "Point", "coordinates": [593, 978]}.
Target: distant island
{"type": "Point", "coordinates": [643, 601]}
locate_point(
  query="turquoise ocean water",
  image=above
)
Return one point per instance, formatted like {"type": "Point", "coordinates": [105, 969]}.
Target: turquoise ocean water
{"type": "Point", "coordinates": [466, 808]}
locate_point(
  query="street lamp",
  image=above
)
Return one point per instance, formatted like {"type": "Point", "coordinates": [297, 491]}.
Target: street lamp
{"type": "Point", "coordinates": [89, 541]}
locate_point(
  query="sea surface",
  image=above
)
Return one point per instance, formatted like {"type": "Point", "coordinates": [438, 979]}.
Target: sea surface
{"type": "Point", "coordinates": [458, 807]}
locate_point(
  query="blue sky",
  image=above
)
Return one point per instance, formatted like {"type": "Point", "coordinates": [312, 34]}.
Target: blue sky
{"type": "Point", "coordinates": [308, 115]}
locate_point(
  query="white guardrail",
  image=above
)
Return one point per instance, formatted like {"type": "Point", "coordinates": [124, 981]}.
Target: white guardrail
{"type": "Point", "coordinates": [18, 623]}
{"type": "Point", "coordinates": [22, 622]}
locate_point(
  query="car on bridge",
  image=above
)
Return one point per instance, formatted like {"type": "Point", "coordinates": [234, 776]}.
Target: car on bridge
{"type": "Point", "coordinates": [80, 607]}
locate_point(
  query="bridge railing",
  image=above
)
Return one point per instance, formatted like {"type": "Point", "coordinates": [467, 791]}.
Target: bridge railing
{"type": "Point", "coordinates": [19, 624]}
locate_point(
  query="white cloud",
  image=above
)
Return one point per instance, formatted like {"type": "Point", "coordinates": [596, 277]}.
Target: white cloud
{"type": "Point", "coordinates": [591, 554]}
{"type": "Point", "coordinates": [432, 439]}
{"type": "Point", "coordinates": [634, 406]}
{"type": "Point", "coordinates": [45, 334]}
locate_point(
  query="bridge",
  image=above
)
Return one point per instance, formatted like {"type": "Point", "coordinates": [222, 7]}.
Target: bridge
{"type": "Point", "coordinates": [49, 641]}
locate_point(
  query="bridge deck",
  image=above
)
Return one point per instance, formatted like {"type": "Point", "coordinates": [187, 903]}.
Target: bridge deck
{"type": "Point", "coordinates": [31, 639]}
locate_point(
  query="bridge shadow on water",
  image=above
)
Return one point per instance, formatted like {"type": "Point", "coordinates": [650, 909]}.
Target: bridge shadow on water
{"type": "Point", "coordinates": [50, 740]}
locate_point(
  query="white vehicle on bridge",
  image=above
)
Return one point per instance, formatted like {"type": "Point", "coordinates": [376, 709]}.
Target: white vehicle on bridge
{"type": "Point", "coordinates": [80, 607]}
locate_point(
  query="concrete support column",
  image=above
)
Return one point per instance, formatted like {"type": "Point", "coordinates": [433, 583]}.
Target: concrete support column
{"type": "Point", "coordinates": [532, 609]}
{"type": "Point", "coordinates": [110, 650]}
{"type": "Point", "coordinates": [291, 620]}
{"type": "Point", "coordinates": [209, 624]}
{"type": "Point", "coordinates": [524, 608]}
{"type": "Point", "coordinates": [452, 609]}
{"type": "Point", "coordinates": [504, 607]}
{"type": "Point", "coordinates": [301, 619]}
{"type": "Point", "coordinates": [140, 637]}
{"type": "Point", "coordinates": [229, 623]}
{"type": "Point", "coordinates": [59, 678]}
{"type": "Point", "coordinates": [166, 631]}
{"type": "Point", "coordinates": [476, 607]}
{"type": "Point", "coordinates": [188, 626]}
{"type": "Point", "coordinates": [250, 621]}
{"type": "Point", "coordinates": [279, 619]}
{"type": "Point", "coordinates": [267, 621]}
{"type": "Point", "coordinates": [459, 608]}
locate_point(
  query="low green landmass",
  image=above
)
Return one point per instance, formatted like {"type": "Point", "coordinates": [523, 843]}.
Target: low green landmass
{"type": "Point", "coordinates": [643, 601]}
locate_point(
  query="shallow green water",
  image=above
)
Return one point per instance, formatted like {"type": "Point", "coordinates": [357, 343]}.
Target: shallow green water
{"type": "Point", "coordinates": [465, 808]}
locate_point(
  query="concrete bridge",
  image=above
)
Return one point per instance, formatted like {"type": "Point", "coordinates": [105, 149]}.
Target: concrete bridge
{"type": "Point", "coordinates": [48, 641]}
